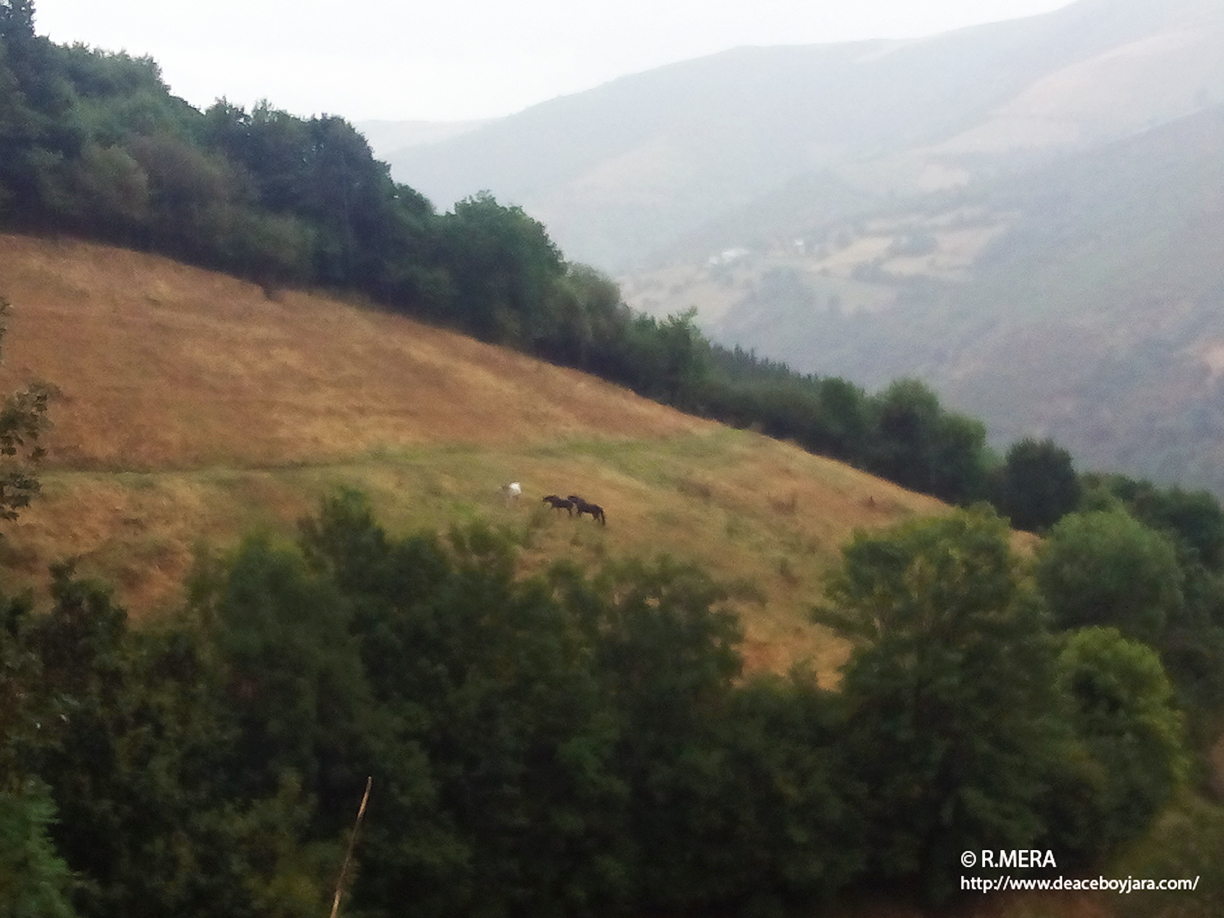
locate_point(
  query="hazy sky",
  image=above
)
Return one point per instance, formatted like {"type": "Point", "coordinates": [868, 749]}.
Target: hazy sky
{"type": "Point", "coordinates": [458, 59]}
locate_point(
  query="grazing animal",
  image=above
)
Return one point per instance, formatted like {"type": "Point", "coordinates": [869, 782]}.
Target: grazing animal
{"type": "Point", "coordinates": [511, 491]}
{"type": "Point", "coordinates": [560, 503]}
{"type": "Point", "coordinates": [583, 506]}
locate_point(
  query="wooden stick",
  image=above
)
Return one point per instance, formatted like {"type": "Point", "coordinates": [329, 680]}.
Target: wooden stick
{"type": "Point", "coordinates": [352, 841]}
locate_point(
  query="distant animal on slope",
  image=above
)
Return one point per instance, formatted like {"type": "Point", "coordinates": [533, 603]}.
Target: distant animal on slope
{"type": "Point", "coordinates": [560, 503]}
{"type": "Point", "coordinates": [583, 506]}
{"type": "Point", "coordinates": [511, 491]}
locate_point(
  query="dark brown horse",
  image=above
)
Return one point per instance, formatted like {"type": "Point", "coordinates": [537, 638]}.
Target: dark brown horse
{"type": "Point", "coordinates": [560, 503]}
{"type": "Point", "coordinates": [583, 506]}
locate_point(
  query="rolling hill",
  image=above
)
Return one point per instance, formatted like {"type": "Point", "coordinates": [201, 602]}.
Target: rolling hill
{"type": "Point", "coordinates": [195, 409]}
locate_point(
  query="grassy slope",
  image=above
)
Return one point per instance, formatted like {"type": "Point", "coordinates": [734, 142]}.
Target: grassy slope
{"type": "Point", "coordinates": [195, 409]}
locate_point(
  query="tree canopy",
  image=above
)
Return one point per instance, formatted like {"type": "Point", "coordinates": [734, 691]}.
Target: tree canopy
{"type": "Point", "coordinates": [954, 717]}
{"type": "Point", "coordinates": [1107, 568]}
{"type": "Point", "coordinates": [574, 742]}
{"type": "Point", "coordinates": [1037, 484]}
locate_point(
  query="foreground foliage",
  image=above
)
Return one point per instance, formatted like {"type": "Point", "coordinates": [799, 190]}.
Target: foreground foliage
{"type": "Point", "coordinates": [953, 676]}
{"type": "Point", "coordinates": [23, 420]}
{"type": "Point", "coordinates": [573, 743]}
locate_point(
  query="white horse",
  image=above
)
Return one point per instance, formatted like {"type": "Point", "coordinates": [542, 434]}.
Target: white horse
{"type": "Point", "coordinates": [511, 492]}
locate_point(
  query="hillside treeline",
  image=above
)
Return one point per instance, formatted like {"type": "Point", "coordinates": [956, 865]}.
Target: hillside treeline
{"type": "Point", "coordinates": [578, 742]}
{"type": "Point", "coordinates": [92, 143]}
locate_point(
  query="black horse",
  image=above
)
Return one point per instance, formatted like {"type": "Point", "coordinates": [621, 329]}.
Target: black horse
{"type": "Point", "coordinates": [583, 506]}
{"type": "Point", "coordinates": [560, 503]}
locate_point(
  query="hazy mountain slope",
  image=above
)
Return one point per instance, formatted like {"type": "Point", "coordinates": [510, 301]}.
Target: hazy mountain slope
{"type": "Point", "coordinates": [194, 408]}
{"type": "Point", "coordinates": [1109, 302]}
{"type": "Point", "coordinates": [390, 137]}
{"type": "Point", "coordinates": [632, 166]}
{"type": "Point", "coordinates": [1084, 300]}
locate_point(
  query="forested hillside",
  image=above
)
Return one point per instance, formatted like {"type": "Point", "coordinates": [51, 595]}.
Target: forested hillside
{"type": "Point", "coordinates": [1079, 301]}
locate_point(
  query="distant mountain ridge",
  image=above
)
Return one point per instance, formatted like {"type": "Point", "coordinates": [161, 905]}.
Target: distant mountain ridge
{"type": "Point", "coordinates": [625, 170]}
{"type": "Point", "coordinates": [391, 137]}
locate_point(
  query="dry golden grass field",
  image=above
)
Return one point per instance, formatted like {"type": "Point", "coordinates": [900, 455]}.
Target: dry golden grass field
{"type": "Point", "coordinates": [195, 409]}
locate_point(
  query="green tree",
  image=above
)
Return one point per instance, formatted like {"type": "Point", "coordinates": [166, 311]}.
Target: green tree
{"type": "Point", "coordinates": [17, 20]}
{"type": "Point", "coordinates": [294, 676]}
{"type": "Point", "coordinates": [1191, 518]}
{"type": "Point", "coordinates": [684, 351]}
{"type": "Point", "coordinates": [1124, 713]}
{"type": "Point", "coordinates": [112, 191]}
{"type": "Point", "coordinates": [1192, 649]}
{"type": "Point", "coordinates": [487, 701]}
{"type": "Point", "coordinates": [1191, 642]}
{"type": "Point", "coordinates": [23, 419]}
{"type": "Point", "coordinates": [664, 650]}
{"type": "Point", "coordinates": [138, 759]}
{"type": "Point", "coordinates": [586, 316]}
{"type": "Point", "coordinates": [1037, 485]}
{"type": "Point", "coordinates": [503, 266]}
{"type": "Point", "coordinates": [38, 135]}
{"type": "Point", "coordinates": [784, 829]}
{"type": "Point", "coordinates": [923, 447]}
{"type": "Point", "coordinates": [192, 194]}
{"type": "Point", "coordinates": [954, 721]}
{"type": "Point", "coordinates": [34, 881]}
{"type": "Point", "coordinates": [1107, 568]}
